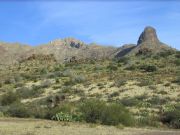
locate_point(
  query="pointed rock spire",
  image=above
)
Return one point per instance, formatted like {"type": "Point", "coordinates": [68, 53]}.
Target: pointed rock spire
{"type": "Point", "coordinates": [148, 35]}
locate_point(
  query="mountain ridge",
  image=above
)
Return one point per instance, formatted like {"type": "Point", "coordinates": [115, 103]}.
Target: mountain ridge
{"type": "Point", "coordinates": [65, 49]}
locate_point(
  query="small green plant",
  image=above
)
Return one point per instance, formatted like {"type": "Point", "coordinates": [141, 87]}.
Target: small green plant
{"type": "Point", "coordinates": [62, 117]}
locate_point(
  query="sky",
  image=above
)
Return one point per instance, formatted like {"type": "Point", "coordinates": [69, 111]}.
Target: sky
{"type": "Point", "coordinates": [106, 22]}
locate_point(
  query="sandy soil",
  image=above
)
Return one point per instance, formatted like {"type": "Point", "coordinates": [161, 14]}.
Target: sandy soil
{"type": "Point", "coordinates": [9, 126]}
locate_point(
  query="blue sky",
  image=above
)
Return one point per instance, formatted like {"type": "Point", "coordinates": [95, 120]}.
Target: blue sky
{"type": "Point", "coordinates": [108, 23]}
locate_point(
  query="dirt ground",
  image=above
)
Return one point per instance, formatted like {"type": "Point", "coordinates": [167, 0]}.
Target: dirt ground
{"type": "Point", "coordinates": [14, 126]}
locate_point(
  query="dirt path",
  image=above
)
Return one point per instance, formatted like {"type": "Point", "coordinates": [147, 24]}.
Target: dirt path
{"type": "Point", "coordinates": [43, 127]}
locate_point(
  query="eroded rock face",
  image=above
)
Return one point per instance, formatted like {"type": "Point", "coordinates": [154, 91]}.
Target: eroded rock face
{"type": "Point", "coordinates": [148, 35]}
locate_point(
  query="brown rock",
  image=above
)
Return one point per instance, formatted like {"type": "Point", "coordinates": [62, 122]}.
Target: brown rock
{"type": "Point", "coordinates": [148, 35]}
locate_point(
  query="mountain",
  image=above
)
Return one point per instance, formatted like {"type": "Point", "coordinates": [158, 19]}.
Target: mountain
{"type": "Point", "coordinates": [11, 52]}
{"type": "Point", "coordinates": [68, 49]}
{"type": "Point", "coordinates": [148, 42]}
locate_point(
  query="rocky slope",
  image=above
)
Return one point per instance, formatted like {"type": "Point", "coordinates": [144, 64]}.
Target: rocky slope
{"type": "Point", "coordinates": [148, 42]}
{"type": "Point", "coordinates": [70, 48]}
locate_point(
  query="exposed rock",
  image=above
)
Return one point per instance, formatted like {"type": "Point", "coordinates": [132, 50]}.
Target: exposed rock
{"type": "Point", "coordinates": [148, 35]}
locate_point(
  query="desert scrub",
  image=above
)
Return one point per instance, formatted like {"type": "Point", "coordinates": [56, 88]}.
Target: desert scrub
{"type": "Point", "coordinates": [171, 117]}
{"type": "Point", "coordinates": [128, 101]}
{"type": "Point", "coordinates": [78, 79]}
{"type": "Point", "coordinates": [25, 92]}
{"type": "Point", "coordinates": [145, 82]}
{"type": "Point", "coordinates": [114, 114]}
{"type": "Point", "coordinates": [95, 111]}
{"type": "Point", "coordinates": [114, 94]}
{"type": "Point", "coordinates": [119, 82]}
{"type": "Point", "coordinates": [148, 68]}
{"type": "Point", "coordinates": [9, 98]}
{"type": "Point", "coordinates": [123, 60]}
{"type": "Point", "coordinates": [45, 84]}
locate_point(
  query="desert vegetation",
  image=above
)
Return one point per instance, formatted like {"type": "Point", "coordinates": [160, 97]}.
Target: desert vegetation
{"type": "Point", "coordinates": [108, 92]}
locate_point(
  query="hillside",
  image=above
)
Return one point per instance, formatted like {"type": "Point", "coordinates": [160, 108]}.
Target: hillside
{"type": "Point", "coordinates": [68, 80]}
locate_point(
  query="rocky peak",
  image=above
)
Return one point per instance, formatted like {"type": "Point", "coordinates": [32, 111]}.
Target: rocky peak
{"type": "Point", "coordinates": [73, 42]}
{"type": "Point", "coordinates": [148, 35]}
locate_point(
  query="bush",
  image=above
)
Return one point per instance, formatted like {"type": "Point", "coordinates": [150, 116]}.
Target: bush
{"type": "Point", "coordinates": [129, 101]}
{"type": "Point", "coordinates": [113, 67]}
{"type": "Point", "coordinates": [172, 117]}
{"type": "Point", "coordinates": [157, 100]}
{"type": "Point", "coordinates": [148, 68]}
{"type": "Point", "coordinates": [92, 110]}
{"type": "Point", "coordinates": [9, 98]}
{"type": "Point", "coordinates": [177, 54]}
{"type": "Point", "coordinates": [145, 82]}
{"type": "Point", "coordinates": [18, 110]}
{"type": "Point", "coordinates": [96, 111]}
{"type": "Point", "coordinates": [131, 67]}
{"type": "Point", "coordinates": [123, 60]}
{"type": "Point", "coordinates": [114, 114]}
{"type": "Point", "coordinates": [25, 92]}
{"type": "Point", "coordinates": [78, 79]}
{"type": "Point", "coordinates": [1, 114]}
{"type": "Point", "coordinates": [166, 53]}
{"type": "Point", "coordinates": [177, 62]}
{"type": "Point", "coordinates": [45, 84]}
{"type": "Point", "coordinates": [120, 82]}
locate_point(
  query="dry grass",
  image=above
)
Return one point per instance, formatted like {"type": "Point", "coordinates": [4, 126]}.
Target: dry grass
{"type": "Point", "coordinates": [10, 126]}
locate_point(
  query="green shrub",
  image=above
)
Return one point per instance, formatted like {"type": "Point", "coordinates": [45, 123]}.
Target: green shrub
{"type": "Point", "coordinates": [25, 92]}
{"type": "Point", "coordinates": [114, 114]}
{"type": "Point", "coordinates": [92, 110]}
{"type": "Point", "coordinates": [9, 98]}
{"type": "Point", "coordinates": [131, 67]}
{"type": "Point", "coordinates": [10, 81]}
{"type": "Point", "coordinates": [96, 111]}
{"type": "Point", "coordinates": [1, 114]}
{"type": "Point", "coordinates": [113, 67]}
{"type": "Point", "coordinates": [177, 62]}
{"type": "Point", "coordinates": [129, 101]}
{"type": "Point", "coordinates": [178, 80]}
{"type": "Point", "coordinates": [123, 60]}
{"type": "Point", "coordinates": [18, 110]}
{"type": "Point", "coordinates": [177, 54]}
{"type": "Point", "coordinates": [172, 117]}
{"type": "Point", "coordinates": [43, 71]}
{"type": "Point", "coordinates": [166, 53]}
{"type": "Point", "coordinates": [145, 82]}
{"type": "Point", "coordinates": [45, 84]}
{"type": "Point", "coordinates": [148, 68]}
{"type": "Point", "coordinates": [78, 79]}
{"type": "Point", "coordinates": [147, 121]}
{"type": "Point", "coordinates": [155, 100]}
{"type": "Point", "coordinates": [114, 94]}
{"type": "Point", "coordinates": [120, 82]}
{"type": "Point", "coordinates": [64, 108]}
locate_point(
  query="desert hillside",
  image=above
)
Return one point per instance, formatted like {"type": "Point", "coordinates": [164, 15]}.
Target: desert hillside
{"type": "Point", "coordinates": [136, 85]}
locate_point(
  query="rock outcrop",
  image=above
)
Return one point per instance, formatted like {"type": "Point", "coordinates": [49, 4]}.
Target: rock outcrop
{"type": "Point", "coordinates": [147, 44]}
{"type": "Point", "coordinates": [148, 35]}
